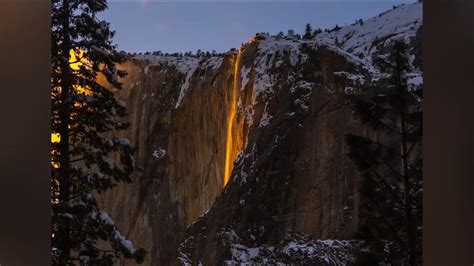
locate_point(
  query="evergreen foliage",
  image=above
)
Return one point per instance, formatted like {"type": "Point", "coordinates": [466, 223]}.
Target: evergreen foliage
{"type": "Point", "coordinates": [336, 28]}
{"type": "Point", "coordinates": [317, 31]}
{"type": "Point", "coordinates": [280, 35]}
{"type": "Point", "coordinates": [87, 159]}
{"type": "Point", "coordinates": [291, 33]}
{"type": "Point", "coordinates": [390, 162]}
{"type": "Point", "coordinates": [308, 32]}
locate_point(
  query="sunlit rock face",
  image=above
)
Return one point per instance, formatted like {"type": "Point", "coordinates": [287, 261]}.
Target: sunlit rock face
{"type": "Point", "coordinates": [291, 175]}
{"type": "Point", "coordinates": [278, 110]}
{"type": "Point", "coordinates": [180, 148]}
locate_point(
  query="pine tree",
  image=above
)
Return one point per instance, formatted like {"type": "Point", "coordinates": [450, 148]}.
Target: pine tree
{"type": "Point", "coordinates": [308, 32]}
{"type": "Point", "coordinates": [280, 35]}
{"type": "Point", "coordinates": [391, 167]}
{"type": "Point", "coordinates": [317, 31]}
{"type": "Point", "coordinates": [87, 159]}
{"type": "Point", "coordinates": [291, 33]}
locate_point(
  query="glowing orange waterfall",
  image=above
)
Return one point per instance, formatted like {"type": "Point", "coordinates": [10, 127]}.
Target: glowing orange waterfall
{"type": "Point", "coordinates": [230, 123]}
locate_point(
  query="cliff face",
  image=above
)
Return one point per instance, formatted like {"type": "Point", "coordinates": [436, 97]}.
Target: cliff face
{"type": "Point", "coordinates": [267, 122]}
{"type": "Point", "coordinates": [293, 174]}
{"type": "Point", "coordinates": [180, 149]}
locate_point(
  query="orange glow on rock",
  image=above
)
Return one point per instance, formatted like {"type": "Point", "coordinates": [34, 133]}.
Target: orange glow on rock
{"type": "Point", "coordinates": [55, 165]}
{"type": "Point", "coordinates": [55, 138]}
{"type": "Point", "coordinates": [75, 62]}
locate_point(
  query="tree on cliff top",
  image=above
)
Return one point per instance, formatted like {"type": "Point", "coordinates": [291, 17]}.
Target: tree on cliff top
{"type": "Point", "coordinates": [317, 31]}
{"type": "Point", "coordinates": [87, 159]}
{"type": "Point", "coordinates": [308, 32]}
{"type": "Point", "coordinates": [391, 167]}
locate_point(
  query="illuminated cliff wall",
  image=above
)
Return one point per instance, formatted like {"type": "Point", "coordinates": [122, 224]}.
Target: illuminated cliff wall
{"type": "Point", "coordinates": [251, 101]}
{"type": "Point", "coordinates": [248, 147]}
{"type": "Point", "coordinates": [184, 145]}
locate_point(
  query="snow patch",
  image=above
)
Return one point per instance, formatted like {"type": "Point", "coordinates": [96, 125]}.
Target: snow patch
{"type": "Point", "coordinates": [159, 153]}
{"type": "Point", "coordinates": [359, 39]}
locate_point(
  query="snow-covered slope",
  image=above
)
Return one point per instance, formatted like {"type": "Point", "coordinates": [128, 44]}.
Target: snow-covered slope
{"type": "Point", "coordinates": [296, 249]}
{"type": "Point", "coordinates": [362, 39]}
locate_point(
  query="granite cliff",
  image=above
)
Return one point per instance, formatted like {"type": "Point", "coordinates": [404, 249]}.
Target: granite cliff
{"type": "Point", "coordinates": [241, 157]}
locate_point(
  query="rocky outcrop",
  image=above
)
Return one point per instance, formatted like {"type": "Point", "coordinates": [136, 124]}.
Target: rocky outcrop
{"type": "Point", "coordinates": [279, 109]}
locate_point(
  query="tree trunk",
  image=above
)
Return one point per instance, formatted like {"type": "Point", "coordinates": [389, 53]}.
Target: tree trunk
{"type": "Point", "coordinates": [66, 87]}
{"type": "Point", "coordinates": [411, 238]}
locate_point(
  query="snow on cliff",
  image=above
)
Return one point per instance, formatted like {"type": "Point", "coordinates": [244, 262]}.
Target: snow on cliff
{"type": "Point", "coordinates": [357, 42]}
{"type": "Point", "coordinates": [184, 64]}
{"type": "Point", "coordinates": [360, 39]}
{"type": "Point", "coordinates": [295, 249]}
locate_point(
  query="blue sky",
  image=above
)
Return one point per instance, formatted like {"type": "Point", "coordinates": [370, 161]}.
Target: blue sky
{"type": "Point", "coordinates": [144, 25]}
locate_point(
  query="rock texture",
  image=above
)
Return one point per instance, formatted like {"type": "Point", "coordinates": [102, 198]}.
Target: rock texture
{"type": "Point", "coordinates": [179, 151]}
{"type": "Point", "coordinates": [291, 114]}
{"type": "Point", "coordinates": [293, 174]}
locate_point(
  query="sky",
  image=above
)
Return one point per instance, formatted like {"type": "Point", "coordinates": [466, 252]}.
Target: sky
{"type": "Point", "coordinates": [144, 25]}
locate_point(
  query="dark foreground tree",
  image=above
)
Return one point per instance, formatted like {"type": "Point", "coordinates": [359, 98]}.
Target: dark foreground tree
{"type": "Point", "coordinates": [390, 162]}
{"type": "Point", "coordinates": [87, 159]}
